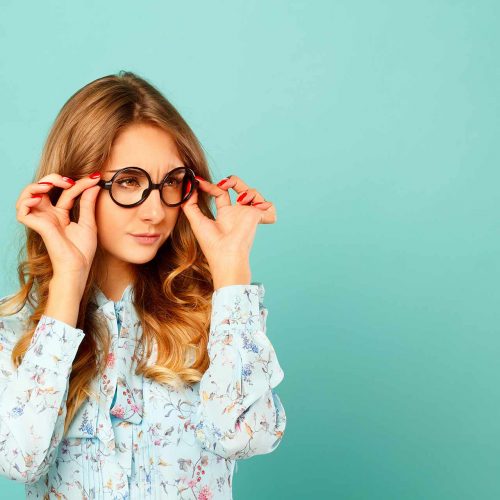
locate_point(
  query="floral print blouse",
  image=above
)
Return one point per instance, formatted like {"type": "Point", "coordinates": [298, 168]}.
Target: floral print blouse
{"type": "Point", "coordinates": [140, 439]}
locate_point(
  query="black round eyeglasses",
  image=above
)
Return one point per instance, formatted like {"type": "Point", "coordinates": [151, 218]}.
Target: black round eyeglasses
{"type": "Point", "coordinates": [131, 186]}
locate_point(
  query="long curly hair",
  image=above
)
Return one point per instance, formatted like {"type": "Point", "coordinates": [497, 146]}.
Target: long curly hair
{"type": "Point", "coordinates": [176, 282]}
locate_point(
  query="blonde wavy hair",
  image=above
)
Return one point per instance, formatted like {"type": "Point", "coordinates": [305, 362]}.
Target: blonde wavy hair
{"type": "Point", "coordinates": [177, 282]}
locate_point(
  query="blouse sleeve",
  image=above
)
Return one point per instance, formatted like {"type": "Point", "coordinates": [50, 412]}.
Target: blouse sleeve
{"type": "Point", "coordinates": [240, 415]}
{"type": "Point", "coordinates": [33, 396]}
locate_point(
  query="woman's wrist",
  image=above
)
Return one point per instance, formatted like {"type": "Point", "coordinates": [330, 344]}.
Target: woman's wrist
{"type": "Point", "coordinates": [232, 273]}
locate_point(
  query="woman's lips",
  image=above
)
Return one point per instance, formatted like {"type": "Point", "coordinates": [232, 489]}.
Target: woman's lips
{"type": "Point", "coordinates": [146, 240]}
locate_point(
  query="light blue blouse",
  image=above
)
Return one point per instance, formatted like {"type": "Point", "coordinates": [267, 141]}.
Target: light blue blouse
{"type": "Point", "coordinates": [139, 439]}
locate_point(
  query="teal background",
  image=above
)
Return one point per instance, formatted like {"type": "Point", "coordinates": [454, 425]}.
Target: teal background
{"type": "Point", "coordinates": [373, 127]}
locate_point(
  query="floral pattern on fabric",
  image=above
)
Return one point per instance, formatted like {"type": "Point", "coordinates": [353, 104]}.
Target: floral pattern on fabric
{"type": "Point", "coordinates": [140, 439]}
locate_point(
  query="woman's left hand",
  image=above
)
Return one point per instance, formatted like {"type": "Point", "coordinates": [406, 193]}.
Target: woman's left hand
{"type": "Point", "coordinates": [226, 241]}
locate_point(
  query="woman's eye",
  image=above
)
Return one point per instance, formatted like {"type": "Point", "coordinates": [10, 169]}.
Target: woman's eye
{"type": "Point", "coordinates": [122, 182]}
{"type": "Point", "coordinates": [171, 182]}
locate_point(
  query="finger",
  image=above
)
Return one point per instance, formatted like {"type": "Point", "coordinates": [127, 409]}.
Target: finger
{"type": "Point", "coordinates": [193, 211]}
{"type": "Point", "coordinates": [263, 205]}
{"type": "Point", "coordinates": [267, 209]}
{"type": "Point", "coordinates": [34, 190]}
{"type": "Point", "coordinates": [87, 206]}
{"type": "Point", "coordinates": [233, 182]}
{"type": "Point", "coordinates": [222, 198]}
{"type": "Point", "coordinates": [249, 197]}
{"type": "Point", "coordinates": [26, 205]}
{"type": "Point", "coordinates": [26, 216]}
{"type": "Point", "coordinates": [52, 180]}
{"type": "Point", "coordinates": [67, 198]}
{"type": "Point", "coordinates": [268, 212]}
{"type": "Point", "coordinates": [44, 185]}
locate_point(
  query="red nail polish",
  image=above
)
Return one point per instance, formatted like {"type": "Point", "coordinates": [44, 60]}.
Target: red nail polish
{"type": "Point", "coordinates": [36, 195]}
{"type": "Point", "coordinates": [95, 175]}
{"type": "Point", "coordinates": [241, 196]}
{"type": "Point", "coordinates": [67, 179]}
{"type": "Point", "coordinates": [188, 188]}
{"type": "Point", "coordinates": [199, 178]}
{"type": "Point", "coordinates": [43, 182]}
{"type": "Point", "coordinates": [258, 203]}
{"type": "Point", "coordinates": [220, 183]}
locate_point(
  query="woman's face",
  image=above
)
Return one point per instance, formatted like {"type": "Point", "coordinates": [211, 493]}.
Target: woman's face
{"type": "Point", "coordinates": [152, 149]}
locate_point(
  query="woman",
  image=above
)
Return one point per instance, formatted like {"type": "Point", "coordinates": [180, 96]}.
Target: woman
{"type": "Point", "coordinates": [134, 366]}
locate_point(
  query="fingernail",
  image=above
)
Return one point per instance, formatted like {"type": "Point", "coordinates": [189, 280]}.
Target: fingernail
{"type": "Point", "coordinates": [220, 183]}
{"type": "Point", "coordinates": [199, 178]}
{"type": "Point", "coordinates": [258, 203]}
{"type": "Point", "coordinates": [95, 175]}
{"type": "Point", "coordinates": [188, 188]}
{"type": "Point", "coordinates": [241, 196]}
{"type": "Point", "coordinates": [36, 195]}
{"type": "Point", "coordinates": [67, 179]}
{"type": "Point", "coordinates": [44, 182]}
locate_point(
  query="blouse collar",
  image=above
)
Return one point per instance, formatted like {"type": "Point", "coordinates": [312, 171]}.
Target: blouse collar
{"type": "Point", "coordinates": [100, 299]}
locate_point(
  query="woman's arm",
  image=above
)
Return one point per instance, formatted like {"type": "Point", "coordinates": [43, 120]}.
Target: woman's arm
{"type": "Point", "coordinates": [33, 397]}
{"type": "Point", "coordinates": [240, 415]}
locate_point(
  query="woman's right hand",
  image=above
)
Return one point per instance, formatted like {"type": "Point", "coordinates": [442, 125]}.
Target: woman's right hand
{"type": "Point", "coordinates": [71, 245]}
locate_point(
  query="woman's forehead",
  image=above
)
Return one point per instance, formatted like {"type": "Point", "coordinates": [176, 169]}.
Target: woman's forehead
{"type": "Point", "coordinates": [146, 146]}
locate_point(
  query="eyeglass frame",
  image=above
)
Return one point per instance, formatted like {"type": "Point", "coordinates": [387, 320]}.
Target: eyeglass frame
{"type": "Point", "coordinates": [194, 183]}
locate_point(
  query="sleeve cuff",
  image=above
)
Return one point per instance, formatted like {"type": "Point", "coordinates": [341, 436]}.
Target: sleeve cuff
{"type": "Point", "coordinates": [237, 304]}
{"type": "Point", "coordinates": [54, 344]}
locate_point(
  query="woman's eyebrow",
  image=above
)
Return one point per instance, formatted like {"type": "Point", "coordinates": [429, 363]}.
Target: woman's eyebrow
{"type": "Point", "coordinates": [118, 169]}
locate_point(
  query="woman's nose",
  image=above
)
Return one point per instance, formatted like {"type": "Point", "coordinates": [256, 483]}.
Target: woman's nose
{"type": "Point", "coordinates": [153, 207]}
